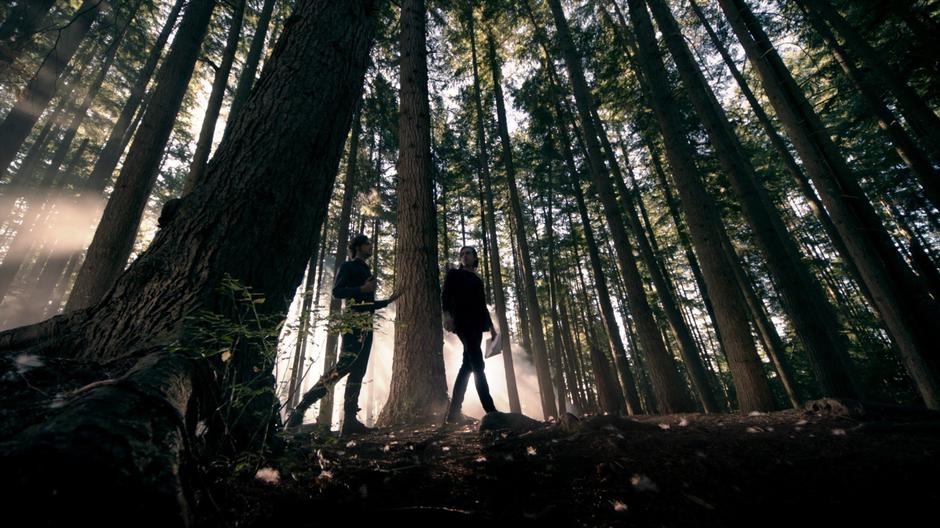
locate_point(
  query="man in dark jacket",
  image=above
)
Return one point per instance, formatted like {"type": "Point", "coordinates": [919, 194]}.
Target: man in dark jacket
{"type": "Point", "coordinates": [355, 283]}
{"type": "Point", "coordinates": [465, 313]}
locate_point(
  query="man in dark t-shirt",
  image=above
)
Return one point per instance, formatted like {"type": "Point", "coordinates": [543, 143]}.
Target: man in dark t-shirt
{"type": "Point", "coordinates": [355, 283]}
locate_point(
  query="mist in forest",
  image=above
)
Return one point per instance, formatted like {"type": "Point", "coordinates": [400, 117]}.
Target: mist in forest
{"type": "Point", "coordinates": [58, 228]}
{"type": "Point", "coordinates": [378, 376]}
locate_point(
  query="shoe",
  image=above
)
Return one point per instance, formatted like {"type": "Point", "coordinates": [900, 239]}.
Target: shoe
{"type": "Point", "coordinates": [295, 420]}
{"type": "Point", "coordinates": [462, 419]}
{"type": "Point", "coordinates": [354, 426]}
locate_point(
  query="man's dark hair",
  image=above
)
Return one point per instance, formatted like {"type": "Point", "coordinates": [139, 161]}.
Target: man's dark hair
{"type": "Point", "coordinates": [354, 244]}
{"type": "Point", "coordinates": [476, 259]}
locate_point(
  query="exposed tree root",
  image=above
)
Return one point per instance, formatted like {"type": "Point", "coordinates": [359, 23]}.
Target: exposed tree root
{"type": "Point", "coordinates": [115, 455]}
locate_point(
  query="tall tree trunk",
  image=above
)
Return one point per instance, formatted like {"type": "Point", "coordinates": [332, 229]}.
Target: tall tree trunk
{"type": "Point", "coordinates": [689, 349]}
{"type": "Point", "coordinates": [33, 100]}
{"type": "Point", "coordinates": [559, 347]}
{"type": "Point", "coordinates": [610, 398]}
{"type": "Point", "coordinates": [651, 340]}
{"type": "Point", "coordinates": [495, 267]}
{"type": "Point", "coordinates": [521, 311]}
{"type": "Point", "coordinates": [664, 375]}
{"type": "Point", "coordinates": [487, 275]}
{"type": "Point", "coordinates": [574, 354]}
{"type": "Point", "coordinates": [24, 179]}
{"type": "Point", "coordinates": [786, 157]}
{"type": "Point", "coordinates": [75, 256]}
{"type": "Point", "coordinates": [214, 106]}
{"type": "Point", "coordinates": [19, 184]}
{"type": "Point", "coordinates": [908, 311]}
{"type": "Point", "coordinates": [325, 414]}
{"type": "Point", "coordinates": [246, 78]}
{"type": "Point", "coordinates": [804, 300]}
{"type": "Point", "coordinates": [114, 239]}
{"type": "Point", "coordinates": [121, 131]}
{"type": "Point", "coordinates": [534, 311]}
{"type": "Point", "coordinates": [704, 223]}
{"type": "Point", "coordinates": [603, 294]}
{"type": "Point", "coordinates": [13, 262]}
{"type": "Point", "coordinates": [766, 331]}
{"type": "Point", "coordinates": [685, 241]}
{"type": "Point", "coordinates": [418, 391]}
{"type": "Point", "coordinates": [284, 132]}
{"type": "Point", "coordinates": [303, 331]}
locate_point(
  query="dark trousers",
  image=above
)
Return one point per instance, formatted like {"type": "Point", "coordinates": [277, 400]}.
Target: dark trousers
{"type": "Point", "coordinates": [353, 360]}
{"type": "Point", "coordinates": [472, 362]}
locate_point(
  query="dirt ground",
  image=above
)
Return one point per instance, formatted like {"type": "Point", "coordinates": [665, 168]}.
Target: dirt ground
{"type": "Point", "coordinates": [835, 465]}
{"type": "Point", "coordinates": [783, 468]}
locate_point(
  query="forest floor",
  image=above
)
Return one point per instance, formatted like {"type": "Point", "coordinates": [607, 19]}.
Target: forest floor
{"type": "Point", "coordinates": [833, 464]}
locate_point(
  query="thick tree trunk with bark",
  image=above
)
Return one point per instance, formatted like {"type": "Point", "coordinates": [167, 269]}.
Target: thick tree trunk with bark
{"type": "Point", "coordinates": [126, 438]}
{"type": "Point", "coordinates": [254, 218]}
{"type": "Point", "coordinates": [418, 392]}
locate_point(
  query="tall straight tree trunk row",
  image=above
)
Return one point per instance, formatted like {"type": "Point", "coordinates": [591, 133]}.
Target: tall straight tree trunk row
{"type": "Point", "coordinates": [704, 224]}
{"type": "Point", "coordinates": [114, 238]}
{"type": "Point", "coordinates": [904, 304]}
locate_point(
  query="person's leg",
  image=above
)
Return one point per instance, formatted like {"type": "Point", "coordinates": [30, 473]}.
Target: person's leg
{"type": "Point", "coordinates": [349, 351]}
{"type": "Point", "coordinates": [475, 356]}
{"type": "Point", "coordinates": [356, 372]}
{"type": "Point", "coordinates": [460, 384]}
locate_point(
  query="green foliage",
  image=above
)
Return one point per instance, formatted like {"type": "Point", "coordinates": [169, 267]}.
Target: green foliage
{"type": "Point", "coordinates": [240, 345]}
{"type": "Point", "coordinates": [350, 320]}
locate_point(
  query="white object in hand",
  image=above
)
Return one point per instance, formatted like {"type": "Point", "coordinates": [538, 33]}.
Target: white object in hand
{"type": "Point", "coordinates": [493, 346]}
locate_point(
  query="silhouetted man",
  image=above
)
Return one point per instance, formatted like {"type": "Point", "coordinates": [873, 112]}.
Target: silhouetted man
{"type": "Point", "coordinates": [355, 283]}
{"type": "Point", "coordinates": [464, 304]}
